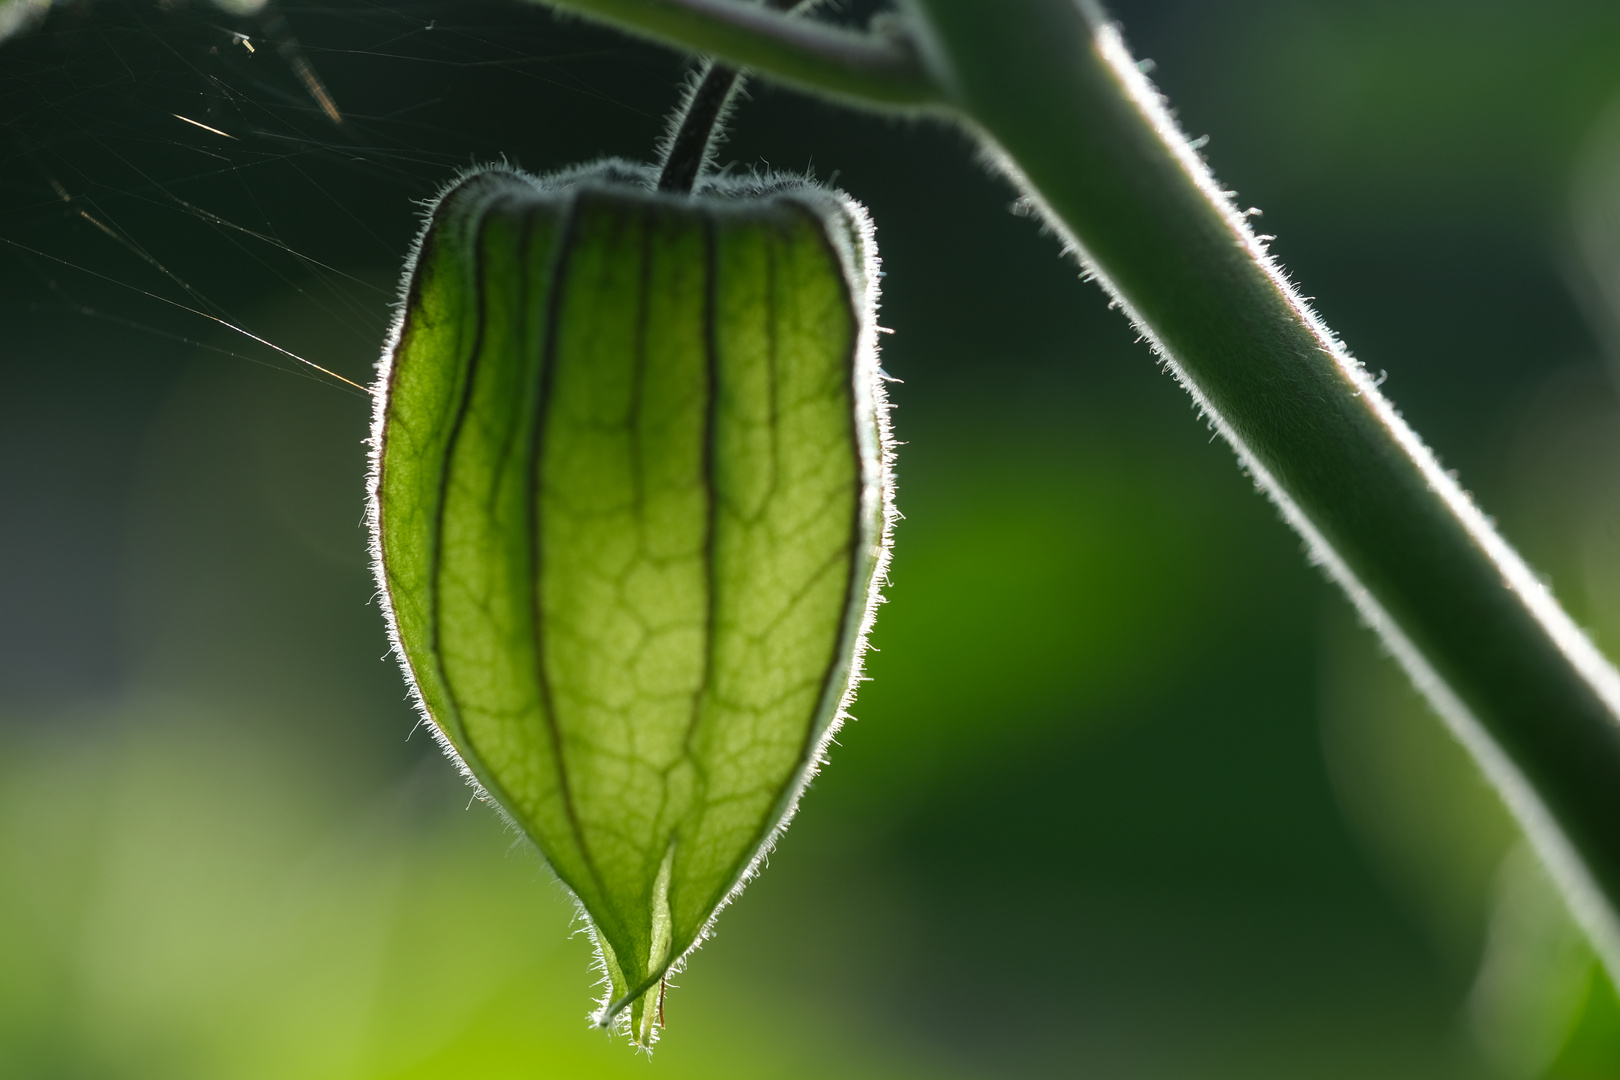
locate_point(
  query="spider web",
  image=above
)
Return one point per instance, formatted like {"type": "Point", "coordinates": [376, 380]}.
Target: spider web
{"type": "Point", "coordinates": [184, 185]}
{"type": "Point", "coordinates": [165, 166]}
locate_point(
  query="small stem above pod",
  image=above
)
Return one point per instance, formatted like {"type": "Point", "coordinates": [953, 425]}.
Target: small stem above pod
{"type": "Point", "coordinates": [697, 124]}
{"type": "Point", "coordinates": [691, 145]}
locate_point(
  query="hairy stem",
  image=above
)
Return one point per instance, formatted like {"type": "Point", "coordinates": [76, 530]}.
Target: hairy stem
{"type": "Point", "coordinates": [701, 115]}
{"type": "Point", "coordinates": [1059, 104]}
{"type": "Point", "coordinates": [689, 147]}
{"type": "Point", "coordinates": [1091, 142]}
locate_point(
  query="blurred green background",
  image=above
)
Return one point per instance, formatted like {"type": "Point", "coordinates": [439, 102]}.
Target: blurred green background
{"type": "Point", "coordinates": [1130, 795]}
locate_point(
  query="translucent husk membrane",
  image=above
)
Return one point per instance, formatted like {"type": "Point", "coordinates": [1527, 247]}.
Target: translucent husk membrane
{"type": "Point", "coordinates": [631, 502]}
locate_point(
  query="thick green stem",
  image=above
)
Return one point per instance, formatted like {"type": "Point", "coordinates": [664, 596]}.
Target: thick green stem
{"type": "Point", "coordinates": [1087, 138]}
{"type": "Point", "coordinates": [1057, 100]}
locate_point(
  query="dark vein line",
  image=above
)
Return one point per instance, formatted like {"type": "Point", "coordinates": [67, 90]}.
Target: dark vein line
{"type": "Point", "coordinates": [502, 457]}
{"type": "Point", "coordinates": [562, 265]}
{"type": "Point", "coordinates": [638, 370]}
{"type": "Point", "coordinates": [650, 222]}
{"type": "Point", "coordinates": [711, 491]}
{"type": "Point", "coordinates": [711, 486]}
{"type": "Point", "coordinates": [771, 343]}
{"type": "Point", "coordinates": [846, 638]}
{"type": "Point", "coordinates": [469, 375]}
{"type": "Point", "coordinates": [850, 625]}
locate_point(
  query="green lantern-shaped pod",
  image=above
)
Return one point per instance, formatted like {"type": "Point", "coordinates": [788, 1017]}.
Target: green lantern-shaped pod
{"type": "Point", "coordinates": [630, 507]}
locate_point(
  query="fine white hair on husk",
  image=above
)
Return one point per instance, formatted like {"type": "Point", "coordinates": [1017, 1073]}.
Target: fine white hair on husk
{"type": "Point", "coordinates": [861, 264]}
{"type": "Point", "coordinates": [852, 228]}
{"type": "Point", "coordinates": [374, 471]}
{"type": "Point", "coordinates": [849, 229]}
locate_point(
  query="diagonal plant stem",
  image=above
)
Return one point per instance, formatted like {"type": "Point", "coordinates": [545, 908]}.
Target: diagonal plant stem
{"type": "Point", "coordinates": [1056, 100]}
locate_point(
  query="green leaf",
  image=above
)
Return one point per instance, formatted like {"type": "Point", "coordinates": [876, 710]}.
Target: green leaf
{"type": "Point", "coordinates": [630, 509]}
